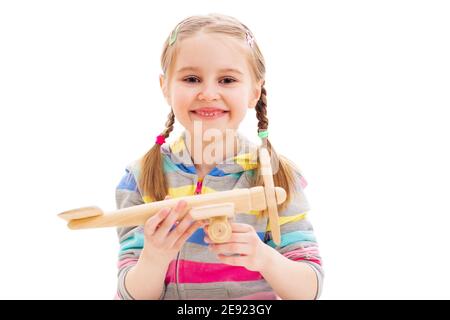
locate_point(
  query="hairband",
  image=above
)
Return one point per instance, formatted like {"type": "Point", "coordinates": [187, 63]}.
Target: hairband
{"type": "Point", "coordinates": [173, 36]}
{"type": "Point", "coordinates": [263, 134]}
{"type": "Point", "coordinates": [160, 139]}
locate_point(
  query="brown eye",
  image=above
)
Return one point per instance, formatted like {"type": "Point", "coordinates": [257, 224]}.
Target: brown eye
{"type": "Point", "coordinates": [191, 79]}
{"type": "Point", "coordinates": [228, 80]}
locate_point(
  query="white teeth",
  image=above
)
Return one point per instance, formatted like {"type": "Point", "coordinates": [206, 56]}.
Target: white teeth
{"type": "Point", "coordinates": [208, 114]}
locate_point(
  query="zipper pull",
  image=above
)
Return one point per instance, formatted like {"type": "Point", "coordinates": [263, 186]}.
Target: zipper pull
{"type": "Point", "coordinates": [198, 189]}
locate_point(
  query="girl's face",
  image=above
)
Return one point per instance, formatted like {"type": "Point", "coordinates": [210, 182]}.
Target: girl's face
{"type": "Point", "coordinates": [211, 83]}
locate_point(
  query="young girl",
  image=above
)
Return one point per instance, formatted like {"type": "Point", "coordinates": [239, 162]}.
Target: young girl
{"type": "Point", "coordinates": [213, 73]}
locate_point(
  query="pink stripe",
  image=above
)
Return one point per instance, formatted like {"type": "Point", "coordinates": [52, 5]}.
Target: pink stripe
{"type": "Point", "coordinates": [199, 272]}
{"type": "Point", "coordinates": [311, 251]}
{"type": "Point", "coordinates": [170, 274]}
{"type": "Point", "coordinates": [310, 254]}
{"type": "Point", "coordinates": [308, 259]}
{"type": "Point", "coordinates": [126, 262]}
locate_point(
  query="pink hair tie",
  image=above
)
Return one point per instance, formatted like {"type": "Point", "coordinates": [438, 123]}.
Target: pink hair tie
{"type": "Point", "coordinates": [160, 139]}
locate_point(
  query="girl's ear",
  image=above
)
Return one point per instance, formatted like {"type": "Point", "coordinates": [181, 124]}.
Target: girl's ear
{"type": "Point", "coordinates": [256, 93]}
{"type": "Point", "coordinates": [163, 85]}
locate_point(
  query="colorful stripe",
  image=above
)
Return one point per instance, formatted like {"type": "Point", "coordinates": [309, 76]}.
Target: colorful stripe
{"type": "Point", "coordinates": [216, 172]}
{"type": "Point", "coordinates": [309, 254]}
{"type": "Point", "coordinates": [198, 236]}
{"type": "Point", "coordinates": [128, 182]}
{"type": "Point", "coordinates": [293, 237]}
{"type": "Point", "coordinates": [185, 168]}
{"type": "Point", "coordinates": [136, 241]}
{"type": "Point", "coordinates": [247, 161]}
{"type": "Point", "coordinates": [200, 272]}
{"type": "Point", "coordinates": [169, 166]}
{"type": "Point", "coordinates": [178, 145]}
{"type": "Point", "coordinates": [311, 259]}
{"type": "Point", "coordinates": [284, 220]}
{"type": "Point", "coordinates": [126, 262]}
{"type": "Point", "coordinates": [199, 269]}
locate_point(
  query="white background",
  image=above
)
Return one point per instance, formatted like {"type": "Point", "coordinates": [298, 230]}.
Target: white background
{"type": "Point", "coordinates": [358, 97]}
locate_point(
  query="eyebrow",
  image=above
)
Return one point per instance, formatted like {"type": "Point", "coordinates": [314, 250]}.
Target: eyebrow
{"type": "Point", "coordinates": [221, 70]}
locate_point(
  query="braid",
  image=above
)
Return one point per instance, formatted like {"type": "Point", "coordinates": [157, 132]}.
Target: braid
{"type": "Point", "coordinates": [169, 124]}
{"type": "Point", "coordinates": [153, 183]}
{"type": "Point", "coordinates": [282, 173]}
{"type": "Point", "coordinates": [261, 110]}
{"type": "Point", "coordinates": [261, 113]}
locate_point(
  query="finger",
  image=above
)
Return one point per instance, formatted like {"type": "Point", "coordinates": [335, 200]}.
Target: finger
{"type": "Point", "coordinates": [241, 227]}
{"type": "Point", "coordinates": [153, 222]}
{"type": "Point", "coordinates": [206, 227]}
{"type": "Point", "coordinates": [180, 229]}
{"type": "Point", "coordinates": [240, 233]}
{"type": "Point", "coordinates": [189, 232]}
{"type": "Point", "coordinates": [233, 260]}
{"type": "Point", "coordinates": [168, 223]}
{"type": "Point", "coordinates": [235, 238]}
{"type": "Point", "coordinates": [185, 212]}
{"type": "Point", "coordinates": [167, 197]}
{"type": "Point", "coordinates": [230, 248]}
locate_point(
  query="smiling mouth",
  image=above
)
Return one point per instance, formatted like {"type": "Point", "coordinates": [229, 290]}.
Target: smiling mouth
{"type": "Point", "coordinates": [209, 114]}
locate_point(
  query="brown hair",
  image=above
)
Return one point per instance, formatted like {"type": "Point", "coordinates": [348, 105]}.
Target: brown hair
{"type": "Point", "coordinates": [152, 182]}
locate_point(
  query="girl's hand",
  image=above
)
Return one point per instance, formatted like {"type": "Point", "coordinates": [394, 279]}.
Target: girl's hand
{"type": "Point", "coordinates": [167, 231]}
{"type": "Point", "coordinates": [250, 251]}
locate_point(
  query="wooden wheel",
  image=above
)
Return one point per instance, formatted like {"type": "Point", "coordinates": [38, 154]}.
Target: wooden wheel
{"type": "Point", "coordinates": [219, 229]}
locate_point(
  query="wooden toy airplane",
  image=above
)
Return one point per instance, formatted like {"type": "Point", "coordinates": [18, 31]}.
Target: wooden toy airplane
{"type": "Point", "coordinates": [217, 207]}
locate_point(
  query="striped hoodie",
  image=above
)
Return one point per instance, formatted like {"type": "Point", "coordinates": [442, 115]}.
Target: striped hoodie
{"type": "Point", "coordinates": [196, 273]}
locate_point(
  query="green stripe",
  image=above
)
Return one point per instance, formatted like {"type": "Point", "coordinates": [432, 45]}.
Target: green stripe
{"type": "Point", "coordinates": [293, 237]}
{"type": "Point", "coordinates": [134, 242]}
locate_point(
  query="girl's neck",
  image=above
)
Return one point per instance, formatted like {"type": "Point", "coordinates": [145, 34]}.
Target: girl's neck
{"type": "Point", "coordinates": [207, 154]}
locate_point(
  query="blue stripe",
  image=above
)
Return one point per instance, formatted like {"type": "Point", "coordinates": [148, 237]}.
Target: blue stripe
{"type": "Point", "coordinates": [293, 237]}
{"type": "Point", "coordinates": [188, 169]}
{"type": "Point", "coordinates": [128, 182]}
{"type": "Point", "coordinates": [261, 235]}
{"type": "Point", "coordinates": [217, 172]}
{"type": "Point", "coordinates": [136, 241]}
{"type": "Point", "coordinates": [198, 236]}
{"type": "Point", "coordinates": [169, 166]}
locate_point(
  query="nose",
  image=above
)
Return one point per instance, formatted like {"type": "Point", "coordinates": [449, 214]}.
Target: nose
{"type": "Point", "coordinates": [208, 92]}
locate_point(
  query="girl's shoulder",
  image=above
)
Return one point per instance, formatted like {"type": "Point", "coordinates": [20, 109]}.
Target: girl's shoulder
{"type": "Point", "coordinates": [134, 169]}
{"type": "Point", "coordinates": [130, 178]}
{"type": "Point", "coordinates": [298, 173]}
